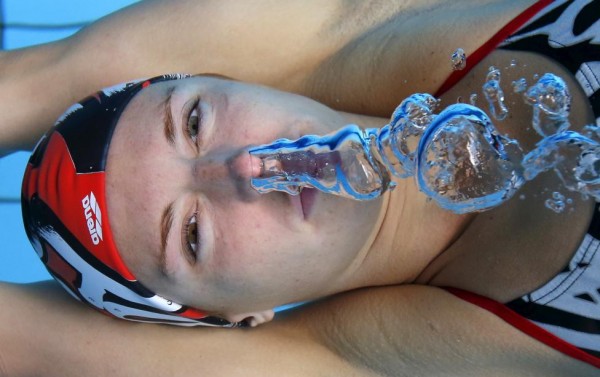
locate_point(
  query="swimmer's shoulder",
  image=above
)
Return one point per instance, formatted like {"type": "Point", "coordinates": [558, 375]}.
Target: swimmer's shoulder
{"type": "Point", "coordinates": [404, 52]}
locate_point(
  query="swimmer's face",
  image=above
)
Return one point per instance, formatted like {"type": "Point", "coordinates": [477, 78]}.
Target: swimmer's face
{"type": "Point", "coordinates": [186, 220]}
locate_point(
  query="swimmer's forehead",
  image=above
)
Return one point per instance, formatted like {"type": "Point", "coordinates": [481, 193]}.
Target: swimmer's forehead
{"type": "Point", "coordinates": [143, 142]}
{"type": "Point", "coordinates": [140, 129]}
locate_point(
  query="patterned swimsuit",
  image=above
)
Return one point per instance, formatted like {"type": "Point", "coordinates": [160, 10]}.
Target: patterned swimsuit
{"type": "Point", "coordinates": [565, 312]}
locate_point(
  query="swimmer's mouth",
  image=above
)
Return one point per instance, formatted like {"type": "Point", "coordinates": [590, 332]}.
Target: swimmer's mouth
{"type": "Point", "coordinates": [307, 198]}
{"type": "Point", "coordinates": [304, 202]}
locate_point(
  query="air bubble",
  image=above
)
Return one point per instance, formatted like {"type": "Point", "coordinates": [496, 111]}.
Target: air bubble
{"type": "Point", "coordinates": [457, 156]}
{"type": "Point", "coordinates": [520, 85]}
{"type": "Point", "coordinates": [459, 60]}
{"type": "Point", "coordinates": [574, 158]}
{"type": "Point", "coordinates": [494, 95]}
{"type": "Point", "coordinates": [475, 169]}
{"type": "Point", "coordinates": [473, 99]}
{"type": "Point", "coordinates": [551, 103]}
{"type": "Point", "coordinates": [556, 203]}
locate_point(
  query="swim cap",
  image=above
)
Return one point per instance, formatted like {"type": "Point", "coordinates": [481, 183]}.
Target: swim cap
{"type": "Point", "coordinates": [66, 220]}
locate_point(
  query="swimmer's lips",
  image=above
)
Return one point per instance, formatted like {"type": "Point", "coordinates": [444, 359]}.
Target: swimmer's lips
{"type": "Point", "coordinates": [304, 202]}
{"type": "Point", "coordinates": [308, 197]}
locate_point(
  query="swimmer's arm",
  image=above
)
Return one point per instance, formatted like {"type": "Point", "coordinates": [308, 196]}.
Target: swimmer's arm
{"type": "Point", "coordinates": [395, 331]}
{"type": "Point", "coordinates": [44, 332]}
{"type": "Point", "coordinates": [357, 56]}
{"type": "Point", "coordinates": [263, 41]}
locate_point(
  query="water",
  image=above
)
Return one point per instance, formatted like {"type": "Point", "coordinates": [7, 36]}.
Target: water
{"type": "Point", "coordinates": [399, 140]}
{"type": "Point", "coordinates": [464, 164]}
{"type": "Point", "coordinates": [456, 157]}
{"type": "Point", "coordinates": [520, 85]}
{"type": "Point", "coordinates": [352, 162]}
{"type": "Point", "coordinates": [494, 95]}
{"type": "Point", "coordinates": [557, 203]}
{"type": "Point", "coordinates": [473, 99]}
{"type": "Point", "coordinates": [458, 60]}
{"type": "Point", "coordinates": [342, 163]}
{"type": "Point", "coordinates": [551, 103]}
{"type": "Point", "coordinates": [574, 158]}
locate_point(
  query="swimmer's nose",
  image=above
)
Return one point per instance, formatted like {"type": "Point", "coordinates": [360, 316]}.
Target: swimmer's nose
{"type": "Point", "coordinates": [245, 166]}
{"type": "Point", "coordinates": [226, 172]}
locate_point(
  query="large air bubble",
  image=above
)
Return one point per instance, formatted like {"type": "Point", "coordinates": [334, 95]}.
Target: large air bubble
{"type": "Point", "coordinates": [464, 164]}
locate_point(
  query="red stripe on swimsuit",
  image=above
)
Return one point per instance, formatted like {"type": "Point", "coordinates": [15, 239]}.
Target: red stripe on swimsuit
{"type": "Point", "coordinates": [483, 51]}
{"type": "Point", "coordinates": [526, 326]}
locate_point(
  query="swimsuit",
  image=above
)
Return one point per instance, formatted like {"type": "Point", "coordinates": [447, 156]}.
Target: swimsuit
{"type": "Point", "coordinates": [565, 312]}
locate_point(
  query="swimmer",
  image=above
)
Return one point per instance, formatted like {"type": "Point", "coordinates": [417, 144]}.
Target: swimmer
{"type": "Point", "coordinates": [446, 293]}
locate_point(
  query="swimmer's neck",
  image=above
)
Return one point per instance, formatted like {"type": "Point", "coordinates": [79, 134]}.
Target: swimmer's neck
{"type": "Point", "coordinates": [411, 232]}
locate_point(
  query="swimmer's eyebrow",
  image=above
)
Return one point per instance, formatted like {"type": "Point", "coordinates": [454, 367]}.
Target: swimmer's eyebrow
{"type": "Point", "coordinates": [168, 117]}
{"type": "Point", "coordinates": [166, 222]}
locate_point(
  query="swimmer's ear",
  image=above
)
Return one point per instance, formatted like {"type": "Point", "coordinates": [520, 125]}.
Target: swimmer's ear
{"type": "Point", "coordinates": [253, 319]}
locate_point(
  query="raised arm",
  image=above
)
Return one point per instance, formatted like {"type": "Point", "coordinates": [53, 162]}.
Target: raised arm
{"type": "Point", "coordinates": [395, 331]}
{"type": "Point", "coordinates": [269, 42]}
{"type": "Point", "coordinates": [357, 56]}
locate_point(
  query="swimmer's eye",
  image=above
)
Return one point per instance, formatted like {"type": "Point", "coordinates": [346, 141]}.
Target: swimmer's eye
{"type": "Point", "coordinates": [191, 239]}
{"type": "Point", "coordinates": [193, 124]}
